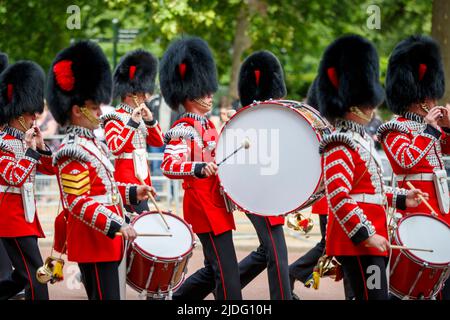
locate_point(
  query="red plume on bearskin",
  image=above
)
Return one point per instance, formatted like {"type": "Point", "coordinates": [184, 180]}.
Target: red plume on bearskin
{"type": "Point", "coordinates": [64, 75]}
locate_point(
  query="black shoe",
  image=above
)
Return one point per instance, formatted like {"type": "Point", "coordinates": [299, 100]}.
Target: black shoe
{"type": "Point", "coordinates": [19, 296]}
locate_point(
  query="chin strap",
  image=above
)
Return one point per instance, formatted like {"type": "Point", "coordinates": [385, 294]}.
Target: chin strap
{"type": "Point", "coordinates": [357, 112]}
{"type": "Point", "coordinates": [203, 103]}
{"type": "Point", "coordinates": [89, 116]}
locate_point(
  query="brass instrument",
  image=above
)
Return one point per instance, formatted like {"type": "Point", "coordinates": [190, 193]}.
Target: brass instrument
{"type": "Point", "coordinates": [326, 267]}
{"type": "Point", "coordinates": [297, 222]}
{"type": "Point", "coordinates": [51, 271]}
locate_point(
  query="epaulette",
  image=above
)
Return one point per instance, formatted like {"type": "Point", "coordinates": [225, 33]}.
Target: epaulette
{"type": "Point", "coordinates": [70, 148]}
{"type": "Point", "coordinates": [111, 116]}
{"type": "Point", "coordinates": [337, 137]}
{"type": "Point", "coordinates": [5, 146]}
{"type": "Point", "coordinates": [393, 125]}
{"type": "Point", "coordinates": [181, 130]}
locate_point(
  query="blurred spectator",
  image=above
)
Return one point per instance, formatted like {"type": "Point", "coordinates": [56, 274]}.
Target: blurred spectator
{"type": "Point", "coordinates": [372, 127]}
{"type": "Point", "coordinates": [49, 128]}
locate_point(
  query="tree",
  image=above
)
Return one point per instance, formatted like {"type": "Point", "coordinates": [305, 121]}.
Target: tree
{"type": "Point", "coordinates": [440, 31]}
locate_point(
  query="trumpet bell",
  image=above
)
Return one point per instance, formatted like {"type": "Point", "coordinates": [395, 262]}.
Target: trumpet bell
{"type": "Point", "coordinates": [298, 222]}
{"type": "Point", "coordinates": [51, 271]}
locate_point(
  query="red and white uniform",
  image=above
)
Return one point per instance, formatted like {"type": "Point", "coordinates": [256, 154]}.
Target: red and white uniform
{"type": "Point", "coordinates": [415, 151]}
{"type": "Point", "coordinates": [91, 199]}
{"type": "Point", "coordinates": [355, 191]}
{"type": "Point", "coordinates": [18, 165]}
{"type": "Point", "coordinates": [191, 143]}
{"type": "Point", "coordinates": [123, 136]}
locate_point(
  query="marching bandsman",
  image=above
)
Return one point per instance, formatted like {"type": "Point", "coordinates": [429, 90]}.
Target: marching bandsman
{"type": "Point", "coordinates": [417, 138]}
{"type": "Point", "coordinates": [357, 235]}
{"type": "Point", "coordinates": [302, 269]}
{"type": "Point", "coordinates": [188, 77]}
{"type": "Point", "coordinates": [132, 127]}
{"type": "Point", "coordinates": [261, 78]}
{"type": "Point", "coordinates": [22, 154]}
{"type": "Point", "coordinates": [5, 263]}
{"type": "Point", "coordinates": [79, 82]}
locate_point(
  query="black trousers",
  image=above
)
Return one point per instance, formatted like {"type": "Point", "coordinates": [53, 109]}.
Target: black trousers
{"type": "Point", "coordinates": [5, 263]}
{"type": "Point", "coordinates": [220, 273]}
{"type": "Point", "coordinates": [26, 259]}
{"type": "Point", "coordinates": [271, 254]}
{"type": "Point", "coordinates": [303, 267]}
{"type": "Point", "coordinates": [101, 280]}
{"type": "Point", "coordinates": [367, 276]}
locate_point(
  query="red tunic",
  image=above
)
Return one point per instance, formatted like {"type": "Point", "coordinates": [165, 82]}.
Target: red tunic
{"type": "Point", "coordinates": [91, 199]}
{"type": "Point", "coordinates": [320, 206]}
{"type": "Point", "coordinates": [191, 144]}
{"type": "Point", "coordinates": [412, 148]}
{"type": "Point", "coordinates": [18, 165]}
{"type": "Point", "coordinates": [123, 136]}
{"type": "Point", "coordinates": [355, 192]}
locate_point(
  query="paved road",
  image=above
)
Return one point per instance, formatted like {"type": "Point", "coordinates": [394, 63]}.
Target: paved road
{"type": "Point", "coordinates": [71, 289]}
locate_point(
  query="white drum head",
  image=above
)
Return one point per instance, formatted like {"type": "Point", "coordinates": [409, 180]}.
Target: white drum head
{"type": "Point", "coordinates": [426, 233]}
{"type": "Point", "coordinates": [282, 167]}
{"type": "Point", "coordinates": [163, 247]}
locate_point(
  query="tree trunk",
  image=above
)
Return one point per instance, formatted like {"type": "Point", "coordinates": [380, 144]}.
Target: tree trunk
{"type": "Point", "coordinates": [241, 43]}
{"type": "Point", "coordinates": [440, 31]}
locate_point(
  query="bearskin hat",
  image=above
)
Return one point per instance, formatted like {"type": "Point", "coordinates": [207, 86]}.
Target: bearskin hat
{"type": "Point", "coordinates": [3, 61]}
{"type": "Point", "coordinates": [348, 76]}
{"type": "Point", "coordinates": [78, 73]}
{"type": "Point", "coordinates": [187, 71]}
{"type": "Point", "coordinates": [261, 78]}
{"type": "Point", "coordinates": [135, 73]}
{"type": "Point", "coordinates": [21, 90]}
{"type": "Point", "coordinates": [311, 96]}
{"type": "Point", "coordinates": [414, 73]}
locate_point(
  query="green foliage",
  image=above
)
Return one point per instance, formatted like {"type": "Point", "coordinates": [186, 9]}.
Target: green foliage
{"type": "Point", "coordinates": [295, 30]}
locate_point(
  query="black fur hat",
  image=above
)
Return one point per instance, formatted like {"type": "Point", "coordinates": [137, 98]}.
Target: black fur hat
{"type": "Point", "coordinates": [348, 76]}
{"type": "Point", "coordinates": [21, 90]}
{"type": "Point", "coordinates": [414, 73]}
{"type": "Point", "coordinates": [261, 78]}
{"type": "Point", "coordinates": [135, 73]}
{"type": "Point", "coordinates": [187, 71]}
{"type": "Point", "coordinates": [3, 61]}
{"type": "Point", "coordinates": [78, 73]}
{"type": "Point", "coordinates": [311, 96]}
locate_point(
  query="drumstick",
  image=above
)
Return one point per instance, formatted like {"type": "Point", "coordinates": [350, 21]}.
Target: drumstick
{"type": "Point", "coordinates": [245, 144]}
{"type": "Point", "coordinates": [154, 202]}
{"type": "Point", "coordinates": [410, 185]}
{"type": "Point", "coordinates": [410, 249]}
{"type": "Point", "coordinates": [149, 234]}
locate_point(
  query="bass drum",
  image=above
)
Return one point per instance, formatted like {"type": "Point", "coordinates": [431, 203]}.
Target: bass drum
{"type": "Point", "coordinates": [281, 171]}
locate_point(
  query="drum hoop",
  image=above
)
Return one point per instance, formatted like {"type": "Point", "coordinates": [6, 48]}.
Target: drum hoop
{"type": "Point", "coordinates": [152, 257]}
{"type": "Point", "coordinates": [139, 289]}
{"type": "Point", "coordinates": [281, 104]}
{"type": "Point", "coordinates": [410, 254]}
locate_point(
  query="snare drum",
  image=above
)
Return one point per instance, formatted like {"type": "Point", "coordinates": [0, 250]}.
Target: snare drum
{"type": "Point", "coordinates": [417, 274]}
{"type": "Point", "coordinates": [281, 171]}
{"type": "Point", "coordinates": [156, 266]}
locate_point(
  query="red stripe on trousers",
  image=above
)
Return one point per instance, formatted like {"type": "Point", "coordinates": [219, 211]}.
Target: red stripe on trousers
{"type": "Point", "coordinates": [98, 282]}
{"type": "Point", "coordinates": [276, 257]}
{"type": "Point", "coordinates": [26, 267]}
{"type": "Point", "coordinates": [364, 279]}
{"type": "Point", "coordinates": [220, 267]}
